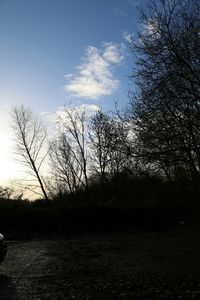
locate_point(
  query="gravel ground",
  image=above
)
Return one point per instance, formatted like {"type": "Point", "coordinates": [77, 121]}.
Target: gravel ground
{"type": "Point", "coordinates": [114, 266]}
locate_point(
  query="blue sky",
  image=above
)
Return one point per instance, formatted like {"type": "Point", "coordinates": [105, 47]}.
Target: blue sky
{"type": "Point", "coordinates": [58, 51]}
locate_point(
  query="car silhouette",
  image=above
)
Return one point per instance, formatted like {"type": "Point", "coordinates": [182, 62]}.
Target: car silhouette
{"type": "Point", "coordinates": [3, 248]}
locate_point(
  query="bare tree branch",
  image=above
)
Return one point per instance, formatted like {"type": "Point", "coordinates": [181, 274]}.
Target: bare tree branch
{"type": "Point", "coordinates": [30, 139]}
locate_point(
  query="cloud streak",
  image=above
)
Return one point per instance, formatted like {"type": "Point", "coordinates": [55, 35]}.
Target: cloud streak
{"type": "Point", "coordinates": [94, 77]}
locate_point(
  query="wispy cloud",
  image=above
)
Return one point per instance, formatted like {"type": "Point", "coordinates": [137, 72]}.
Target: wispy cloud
{"type": "Point", "coordinates": [88, 109]}
{"type": "Point", "coordinates": [51, 117]}
{"type": "Point", "coordinates": [94, 77]}
{"type": "Point", "coordinates": [120, 11]}
{"type": "Point", "coordinates": [79, 114]}
{"type": "Point", "coordinates": [127, 36]}
{"type": "Point", "coordinates": [133, 3]}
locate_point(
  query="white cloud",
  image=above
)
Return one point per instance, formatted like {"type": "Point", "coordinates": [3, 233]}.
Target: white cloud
{"type": "Point", "coordinates": [51, 118]}
{"type": "Point", "coordinates": [112, 53]}
{"type": "Point", "coordinates": [128, 37]}
{"type": "Point", "coordinates": [76, 112]}
{"type": "Point", "coordinates": [94, 77]}
{"type": "Point", "coordinates": [67, 76]}
{"type": "Point", "coordinates": [89, 110]}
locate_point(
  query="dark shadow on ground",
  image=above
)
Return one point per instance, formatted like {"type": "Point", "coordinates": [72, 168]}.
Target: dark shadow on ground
{"type": "Point", "coordinates": [7, 288]}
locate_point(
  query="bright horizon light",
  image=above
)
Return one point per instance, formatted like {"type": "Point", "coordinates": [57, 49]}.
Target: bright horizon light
{"type": "Point", "coordinates": [9, 167]}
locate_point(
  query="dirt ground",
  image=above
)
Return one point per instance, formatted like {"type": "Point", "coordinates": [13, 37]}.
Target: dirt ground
{"type": "Point", "coordinates": [111, 266]}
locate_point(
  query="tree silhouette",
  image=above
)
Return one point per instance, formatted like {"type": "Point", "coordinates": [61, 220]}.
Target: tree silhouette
{"type": "Point", "coordinates": [30, 138]}
{"type": "Point", "coordinates": [73, 148]}
{"type": "Point", "coordinates": [166, 107]}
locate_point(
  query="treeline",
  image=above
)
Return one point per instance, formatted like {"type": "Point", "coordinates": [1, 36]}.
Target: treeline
{"type": "Point", "coordinates": [146, 203]}
{"type": "Point", "coordinates": [136, 166]}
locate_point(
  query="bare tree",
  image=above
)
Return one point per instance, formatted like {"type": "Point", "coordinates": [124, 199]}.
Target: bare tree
{"type": "Point", "coordinates": [66, 170]}
{"type": "Point", "coordinates": [73, 149]}
{"type": "Point", "coordinates": [100, 144]}
{"type": "Point", "coordinates": [30, 138]}
{"type": "Point", "coordinates": [166, 107]}
{"type": "Point", "coordinates": [109, 139]}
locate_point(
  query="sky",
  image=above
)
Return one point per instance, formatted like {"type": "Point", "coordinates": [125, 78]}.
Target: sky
{"type": "Point", "coordinates": [54, 52]}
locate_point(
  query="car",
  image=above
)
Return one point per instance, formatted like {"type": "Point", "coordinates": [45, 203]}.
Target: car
{"type": "Point", "coordinates": [3, 248]}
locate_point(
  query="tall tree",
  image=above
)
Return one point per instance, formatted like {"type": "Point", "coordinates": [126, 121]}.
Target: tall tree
{"type": "Point", "coordinates": [100, 137]}
{"type": "Point", "coordinates": [66, 169]}
{"type": "Point", "coordinates": [109, 138]}
{"type": "Point", "coordinates": [30, 138]}
{"type": "Point", "coordinates": [74, 133]}
{"type": "Point", "coordinates": [166, 106]}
